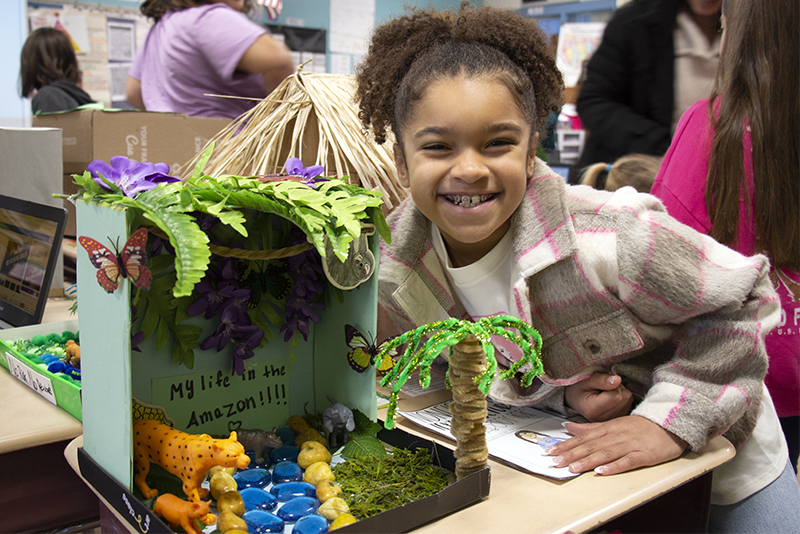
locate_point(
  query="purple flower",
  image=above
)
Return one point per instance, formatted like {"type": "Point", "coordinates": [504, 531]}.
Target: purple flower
{"type": "Point", "coordinates": [300, 310]}
{"type": "Point", "coordinates": [132, 177]}
{"type": "Point", "coordinates": [295, 167]}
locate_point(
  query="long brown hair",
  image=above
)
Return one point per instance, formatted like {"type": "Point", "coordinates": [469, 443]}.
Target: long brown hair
{"type": "Point", "coordinates": [757, 86]}
{"type": "Point", "coordinates": [155, 9]}
{"type": "Point", "coordinates": [47, 56]}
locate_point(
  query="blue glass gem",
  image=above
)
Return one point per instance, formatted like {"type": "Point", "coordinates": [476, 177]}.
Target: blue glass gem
{"type": "Point", "coordinates": [252, 478]}
{"type": "Point", "coordinates": [284, 453]}
{"type": "Point", "coordinates": [297, 508]}
{"type": "Point", "coordinates": [261, 522]}
{"type": "Point", "coordinates": [286, 472]}
{"type": "Point", "coordinates": [290, 490]}
{"type": "Point", "coordinates": [255, 465]}
{"type": "Point", "coordinates": [258, 499]}
{"type": "Point", "coordinates": [311, 524]}
{"type": "Point", "coordinates": [286, 434]}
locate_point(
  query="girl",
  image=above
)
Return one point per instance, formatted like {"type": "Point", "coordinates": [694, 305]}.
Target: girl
{"type": "Point", "coordinates": [49, 71]}
{"type": "Point", "coordinates": [756, 87]}
{"type": "Point", "coordinates": [610, 281]}
{"type": "Point", "coordinates": [636, 170]}
{"type": "Point", "coordinates": [205, 47]}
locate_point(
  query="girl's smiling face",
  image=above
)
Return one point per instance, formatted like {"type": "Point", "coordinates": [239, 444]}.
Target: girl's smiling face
{"type": "Point", "coordinates": [467, 155]}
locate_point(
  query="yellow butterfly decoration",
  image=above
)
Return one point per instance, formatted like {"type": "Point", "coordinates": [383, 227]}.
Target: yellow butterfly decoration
{"type": "Point", "coordinates": [364, 351]}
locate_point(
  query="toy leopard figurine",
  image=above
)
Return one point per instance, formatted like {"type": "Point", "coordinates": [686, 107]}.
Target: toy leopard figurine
{"type": "Point", "coordinates": [187, 456]}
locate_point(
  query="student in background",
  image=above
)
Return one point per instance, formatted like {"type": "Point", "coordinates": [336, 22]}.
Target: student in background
{"type": "Point", "coordinates": [733, 171]}
{"type": "Point", "coordinates": [656, 58]}
{"type": "Point", "coordinates": [608, 279]}
{"type": "Point", "coordinates": [49, 72]}
{"type": "Point", "coordinates": [205, 47]}
{"type": "Point", "coordinates": [635, 170]}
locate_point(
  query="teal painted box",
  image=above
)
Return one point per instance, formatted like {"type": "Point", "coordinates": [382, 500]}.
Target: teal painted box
{"type": "Point", "coordinates": [203, 389]}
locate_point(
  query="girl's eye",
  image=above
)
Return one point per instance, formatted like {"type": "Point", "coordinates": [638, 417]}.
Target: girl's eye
{"type": "Point", "coordinates": [435, 146]}
{"type": "Point", "coordinates": [500, 143]}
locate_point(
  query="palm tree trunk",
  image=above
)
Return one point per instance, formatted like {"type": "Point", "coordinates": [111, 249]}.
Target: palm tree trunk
{"type": "Point", "coordinates": [468, 407]}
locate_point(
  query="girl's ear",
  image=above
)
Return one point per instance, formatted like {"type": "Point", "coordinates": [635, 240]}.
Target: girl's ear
{"type": "Point", "coordinates": [400, 165]}
{"type": "Point", "coordinates": [532, 148]}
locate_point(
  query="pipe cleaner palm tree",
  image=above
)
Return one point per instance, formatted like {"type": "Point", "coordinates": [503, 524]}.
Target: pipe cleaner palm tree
{"type": "Point", "coordinates": [469, 376]}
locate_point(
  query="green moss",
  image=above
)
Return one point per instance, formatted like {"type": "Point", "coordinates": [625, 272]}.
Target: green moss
{"type": "Point", "coordinates": [372, 485]}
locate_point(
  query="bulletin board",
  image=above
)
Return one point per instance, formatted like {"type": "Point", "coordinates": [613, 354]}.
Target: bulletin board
{"type": "Point", "coordinates": [105, 39]}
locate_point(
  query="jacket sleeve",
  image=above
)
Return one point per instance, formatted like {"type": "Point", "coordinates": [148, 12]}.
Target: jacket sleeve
{"type": "Point", "coordinates": [604, 102]}
{"type": "Point", "coordinates": [718, 305]}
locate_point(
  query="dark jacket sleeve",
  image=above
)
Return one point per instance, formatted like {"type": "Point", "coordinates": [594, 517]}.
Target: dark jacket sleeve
{"type": "Point", "coordinates": [625, 102]}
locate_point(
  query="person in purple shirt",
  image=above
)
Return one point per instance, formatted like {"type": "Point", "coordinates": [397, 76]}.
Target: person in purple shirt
{"type": "Point", "coordinates": [207, 48]}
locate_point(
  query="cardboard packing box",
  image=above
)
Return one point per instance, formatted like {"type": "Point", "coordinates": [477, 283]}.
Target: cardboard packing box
{"type": "Point", "coordinates": [96, 134]}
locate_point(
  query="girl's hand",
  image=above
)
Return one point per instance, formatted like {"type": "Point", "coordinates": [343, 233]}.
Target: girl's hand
{"type": "Point", "coordinates": [615, 446]}
{"type": "Point", "coordinates": [600, 397]}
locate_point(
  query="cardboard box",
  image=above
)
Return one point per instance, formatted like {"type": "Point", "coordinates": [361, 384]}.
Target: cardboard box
{"type": "Point", "coordinates": [96, 134]}
{"type": "Point", "coordinates": [53, 387]}
{"type": "Point", "coordinates": [469, 490]}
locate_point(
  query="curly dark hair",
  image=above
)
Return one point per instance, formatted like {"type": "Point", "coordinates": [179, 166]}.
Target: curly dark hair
{"type": "Point", "coordinates": [407, 54]}
{"type": "Point", "coordinates": [155, 9]}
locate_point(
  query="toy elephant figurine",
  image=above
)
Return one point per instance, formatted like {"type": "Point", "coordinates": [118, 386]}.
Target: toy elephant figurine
{"type": "Point", "coordinates": [338, 421]}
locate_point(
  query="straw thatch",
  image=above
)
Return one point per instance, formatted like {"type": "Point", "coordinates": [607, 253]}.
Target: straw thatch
{"type": "Point", "coordinates": [312, 117]}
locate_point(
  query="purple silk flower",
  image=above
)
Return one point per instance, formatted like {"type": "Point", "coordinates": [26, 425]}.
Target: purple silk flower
{"type": "Point", "coordinates": [132, 177]}
{"type": "Point", "coordinates": [295, 167]}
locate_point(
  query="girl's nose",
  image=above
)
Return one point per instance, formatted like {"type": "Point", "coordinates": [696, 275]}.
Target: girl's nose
{"type": "Point", "coordinates": [469, 166]}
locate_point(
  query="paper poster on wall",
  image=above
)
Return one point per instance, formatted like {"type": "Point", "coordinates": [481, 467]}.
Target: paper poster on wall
{"type": "Point", "coordinates": [121, 40]}
{"type": "Point", "coordinates": [219, 402]}
{"type": "Point", "coordinates": [340, 64]}
{"type": "Point", "coordinates": [351, 25]}
{"type": "Point", "coordinates": [73, 24]}
{"type": "Point", "coordinates": [576, 43]}
{"type": "Point", "coordinates": [117, 78]}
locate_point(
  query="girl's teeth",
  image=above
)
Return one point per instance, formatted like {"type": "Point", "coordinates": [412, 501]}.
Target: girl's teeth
{"type": "Point", "coordinates": [466, 201]}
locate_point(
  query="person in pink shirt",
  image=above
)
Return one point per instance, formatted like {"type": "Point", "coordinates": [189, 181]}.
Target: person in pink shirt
{"type": "Point", "coordinates": [733, 172]}
{"type": "Point", "coordinates": [199, 48]}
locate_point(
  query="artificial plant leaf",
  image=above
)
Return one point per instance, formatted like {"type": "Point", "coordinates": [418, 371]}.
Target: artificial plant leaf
{"type": "Point", "coordinates": [201, 163]}
{"type": "Point", "coordinates": [363, 446]}
{"type": "Point", "coordinates": [364, 426]}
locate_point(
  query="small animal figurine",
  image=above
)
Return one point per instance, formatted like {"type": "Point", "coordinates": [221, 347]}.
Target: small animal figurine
{"type": "Point", "coordinates": [182, 513]}
{"type": "Point", "coordinates": [187, 456]}
{"type": "Point", "coordinates": [338, 421]}
{"type": "Point", "coordinates": [73, 351]}
{"type": "Point", "coordinates": [257, 440]}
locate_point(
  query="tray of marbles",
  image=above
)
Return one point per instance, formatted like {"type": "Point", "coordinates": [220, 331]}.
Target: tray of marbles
{"type": "Point", "coordinates": [287, 480]}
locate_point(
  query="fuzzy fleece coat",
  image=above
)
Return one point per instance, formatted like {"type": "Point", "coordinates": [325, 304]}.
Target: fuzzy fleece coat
{"type": "Point", "coordinates": [611, 281]}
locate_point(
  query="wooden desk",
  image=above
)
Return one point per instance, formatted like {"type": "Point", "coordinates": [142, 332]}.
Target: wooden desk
{"type": "Point", "coordinates": [41, 491]}
{"type": "Point", "coordinates": [638, 501]}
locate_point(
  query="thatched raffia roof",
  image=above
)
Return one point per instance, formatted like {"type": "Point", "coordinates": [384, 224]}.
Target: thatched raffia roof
{"type": "Point", "coordinates": [312, 117]}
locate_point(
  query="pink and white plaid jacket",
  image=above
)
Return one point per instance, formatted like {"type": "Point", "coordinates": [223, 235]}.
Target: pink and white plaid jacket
{"type": "Point", "coordinates": [611, 281]}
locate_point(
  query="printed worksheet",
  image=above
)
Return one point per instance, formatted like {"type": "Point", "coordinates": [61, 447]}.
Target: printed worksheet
{"type": "Point", "coordinates": [516, 435]}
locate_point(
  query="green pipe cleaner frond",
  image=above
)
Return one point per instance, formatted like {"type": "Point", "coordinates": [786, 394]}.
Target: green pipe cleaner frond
{"type": "Point", "coordinates": [445, 335]}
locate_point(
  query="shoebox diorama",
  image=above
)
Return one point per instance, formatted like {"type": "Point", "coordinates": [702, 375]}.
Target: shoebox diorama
{"type": "Point", "coordinates": [227, 308]}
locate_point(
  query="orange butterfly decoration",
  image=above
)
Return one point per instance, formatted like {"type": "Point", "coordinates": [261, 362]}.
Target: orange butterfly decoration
{"type": "Point", "coordinates": [126, 263]}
